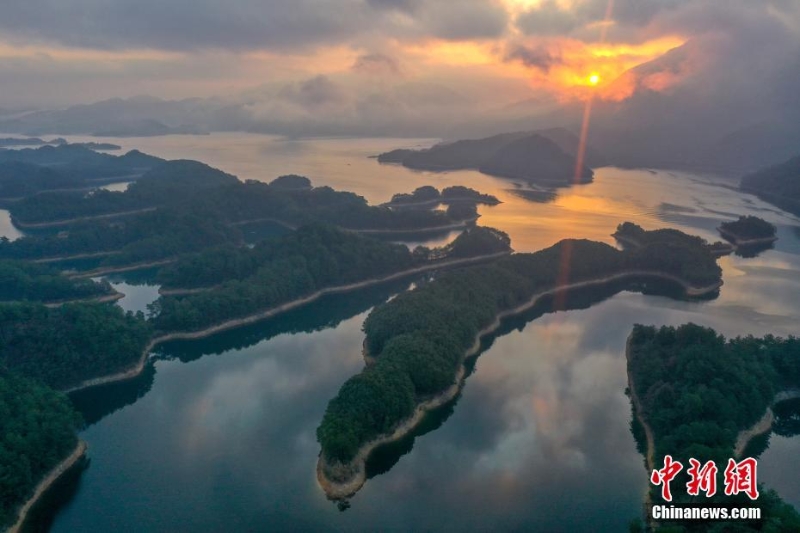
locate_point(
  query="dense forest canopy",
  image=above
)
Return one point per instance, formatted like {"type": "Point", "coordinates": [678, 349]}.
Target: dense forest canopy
{"type": "Point", "coordinates": [166, 183]}
{"type": "Point", "coordinates": [630, 234]}
{"type": "Point", "coordinates": [698, 391]}
{"type": "Point", "coordinates": [206, 216]}
{"type": "Point", "coordinates": [428, 194]}
{"type": "Point", "coordinates": [29, 171]}
{"type": "Point", "coordinates": [299, 264]}
{"type": "Point", "coordinates": [749, 227]}
{"type": "Point", "coordinates": [66, 345]}
{"type": "Point", "coordinates": [291, 181]}
{"type": "Point", "coordinates": [440, 320]}
{"type": "Point", "coordinates": [37, 430]}
{"type": "Point", "coordinates": [148, 236]}
{"type": "Point", "coordinates": [21, 280]}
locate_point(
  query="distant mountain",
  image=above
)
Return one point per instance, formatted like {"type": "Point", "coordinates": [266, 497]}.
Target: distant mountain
{"type": "Point", "coordinates": [536, 159]}
{"type": "Point", "coordinates": [526, 156]}
{"type": "Point", "coordinates": [778, 185]}
{"type": "Point", "coordinates": [140, 116]}
{"type": "Point", "coordinates": [14, 142]}
{"type": "Point", "coordinates": [9, 142]}
{"type": "Point", "coordinates": [29, 171]}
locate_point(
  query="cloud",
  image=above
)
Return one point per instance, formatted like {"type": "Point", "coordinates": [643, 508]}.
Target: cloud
{"type": "Point", "coordinates": [191, 25]}
{"type": "Point", "coordinates": [547, 19]}
{"type": "Point", "coordinates": [376, 64]}
{"type": "Point", "coordinates": [539, 57]}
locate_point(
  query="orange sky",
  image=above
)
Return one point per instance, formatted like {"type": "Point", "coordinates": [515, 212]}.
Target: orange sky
{"type": "Point", "coordinates": [421, 58]}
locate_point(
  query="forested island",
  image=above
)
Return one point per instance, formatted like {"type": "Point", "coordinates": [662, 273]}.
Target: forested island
{"type": "Point", "coordinates": [778, 185]}
{"type": "Point", "coordinates": [28, 171]}
{"type": "Point", "coordinates": [14, 142]}
{"type": "Point", "coordinates": [695, 395]}
{"type": "Point", "coordinates": [531, 157]}
{"type": "Point", "coordinates": [749, 231]}
{"type": "Point", "coordinates": [429, 196]}
{"type": "Point", "coordinates": [633, 235]}
{"type": "Point", "coordinates": [420, 339]}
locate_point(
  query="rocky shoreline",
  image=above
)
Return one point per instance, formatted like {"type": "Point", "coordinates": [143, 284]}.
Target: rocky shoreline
{"type": "Point", "coordinates": [45, 484]}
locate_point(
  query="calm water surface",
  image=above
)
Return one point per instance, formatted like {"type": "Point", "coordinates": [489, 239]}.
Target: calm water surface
{"type": "Point", "coordinates": [219, 434]}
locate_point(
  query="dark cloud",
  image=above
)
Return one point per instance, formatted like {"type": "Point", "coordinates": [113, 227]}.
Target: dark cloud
{"type": "Point", "coordinates": [399, 5]}
{"type": "Point", "coordinates": [465, 19]}
{"type": "Point", "coordinates": [190, 25]}
{"type": "Point", "coordinates": [376, 64]}
{"type": "Point", "coordinates": [535, 57]}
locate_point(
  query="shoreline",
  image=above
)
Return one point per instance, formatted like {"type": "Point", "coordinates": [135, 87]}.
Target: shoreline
{"type": "Point", "coordinates": [339, 490]}
{"type": "Point", "coordinates": [637, 407]}
{"type": "Point", "coordinates": [716, 252]}
{"type": "Point", "coordinates": [438, 201]}
{"type": "Point", "coordinates": [739, 242]}
{"type": "Point", "coordinates": [106, 298]}
{"type": "Point", "coordinates": [186, 292]}
{"type": "Point", "coordinates": [68, 221]}
{"type": "Point", "coordinates": [44, 485]}
{"type": "Point", "coordinates": [650, 452]}
{"type": "Point", "coordinates": [58, 259]}
{"type": "Point", "coordinates": [102, 299]}
{"type": "Point", "coordinates": [764, 425]}
{"type": "Point", "coordinates": [268, 313]}
{"type": "Point", "coordinates": [366, 231]}
{"type": "Point", "coordinates": [113, 270]}
{"type": "Point", "coordinates": [411, 231]}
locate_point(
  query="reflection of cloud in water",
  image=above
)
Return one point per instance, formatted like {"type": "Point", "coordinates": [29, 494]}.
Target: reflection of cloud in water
{"type": "Point", "coordinates": [236, 400]}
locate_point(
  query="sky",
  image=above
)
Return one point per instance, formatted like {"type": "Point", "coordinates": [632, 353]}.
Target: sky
{"type": "Point", "coordinates": [368, 66]}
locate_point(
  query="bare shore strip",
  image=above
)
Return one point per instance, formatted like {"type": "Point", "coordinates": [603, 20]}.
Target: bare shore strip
{"type": "Point", "coordinates": [68, 221]}
{"type": "Point", "coordinates": [269, 313]}
{"type": "Point", "coordinates": [716, 252]}
{"type": "Point", "coordinates": [738, 242]}
{"type": "Point", "coordinates": [352, 476]}
{"type": "Point", "coordinates": [74, 257]}
{"type": "Point", "coordinates": [105, 298]}
{"type": "Point", "coordinates": [102, 271]}
{"type": "Point", "coordinates": [639, 412]}
{"type": "Point", "coordinates": [45, 484]}
{"type": "Point", "coordinates": [762, 426]}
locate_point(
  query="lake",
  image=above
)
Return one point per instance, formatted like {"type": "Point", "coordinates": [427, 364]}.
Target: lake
{"type": "Point", "coordinates": [218, 435]}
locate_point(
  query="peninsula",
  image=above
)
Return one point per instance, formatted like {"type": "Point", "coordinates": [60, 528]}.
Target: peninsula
{"type": "Point", "coordinates": [420, 340]}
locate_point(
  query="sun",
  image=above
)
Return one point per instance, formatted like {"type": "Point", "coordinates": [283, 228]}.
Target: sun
{"type": "Point", "coordinates": [594, 79]}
